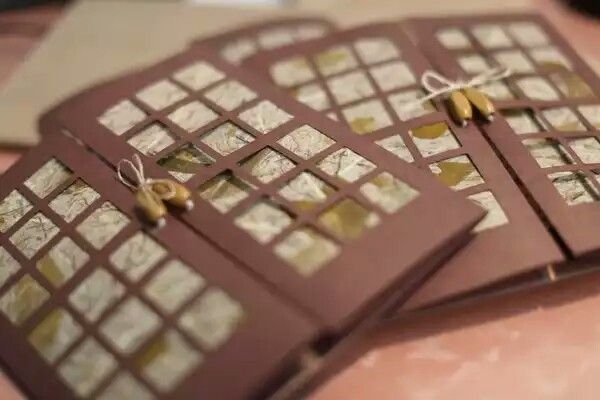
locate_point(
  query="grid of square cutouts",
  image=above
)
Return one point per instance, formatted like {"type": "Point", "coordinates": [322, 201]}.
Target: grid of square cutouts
{"type": "Point", "coordinates": [368, 84]}
{"type": "Point", "coordinates": [364, 82]}
{"type": "Point", "coordinates": [435, 147]}
{"type": "Point", "coordinates": [135, 304]}
{"type": "Point", "coordinates": [271, 36]}
{"type": "Point", "coordinates": [285, 184]}
{"type": "Point", "coordinates": [564, 141]}
{"type": "Point", "coordinates": [540, 70]}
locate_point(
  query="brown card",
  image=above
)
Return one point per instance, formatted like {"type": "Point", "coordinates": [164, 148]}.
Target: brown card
{"type": "Point", "coordinates": [550, 114]}
{"type": "Point", "coordinates": [252, 154]}
{"type": "Point", "coordinates": [364, 77]}
{"type": "Point", "coordinates": [237, 45]}
{"type": "Point", "coordinates": [94, 303]}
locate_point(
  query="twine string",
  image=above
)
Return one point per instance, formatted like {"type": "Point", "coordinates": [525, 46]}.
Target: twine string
{"type": "Point", "coordinates": [141, 182]}
{"type": "Point", "coordinates": [437, 85]}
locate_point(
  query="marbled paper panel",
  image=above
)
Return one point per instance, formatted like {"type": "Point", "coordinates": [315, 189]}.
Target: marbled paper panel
{"type": "Point", "coordinates": [213, 318]}
{"type": "Point", "coordinates": [306, 251]}
{"type": "Point", "coordinates": [12, 209]}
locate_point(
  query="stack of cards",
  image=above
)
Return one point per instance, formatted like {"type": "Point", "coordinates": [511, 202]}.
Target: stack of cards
{"type": "Point", "coordinates": [325, 195]}
{"type": "Point", "coordinates": [529, 167]}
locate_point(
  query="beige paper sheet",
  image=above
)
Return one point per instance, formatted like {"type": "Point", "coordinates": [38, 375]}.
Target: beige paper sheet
{"type": "Point", "coordinates": [96, 40]}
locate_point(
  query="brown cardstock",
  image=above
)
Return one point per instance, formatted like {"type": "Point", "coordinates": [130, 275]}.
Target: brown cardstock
{"type": "Point", "coordinates": [575, 226]}
{"type": "Point", "coordinates": [279, 366]}
{"type": "Point", "coordinates": [494, 255]}
{"type": "Point", "coordinates": [268, 315]}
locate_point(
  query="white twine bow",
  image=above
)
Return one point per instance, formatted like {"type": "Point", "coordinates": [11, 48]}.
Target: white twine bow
{"type": "Point", "coordinates": [142, 183]}
{"type": "Point", "coordinates": [437, 85]}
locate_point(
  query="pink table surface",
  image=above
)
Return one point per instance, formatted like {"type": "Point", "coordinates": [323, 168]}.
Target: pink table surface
{"type": "Point", "coordinates": [544, 353]}
{"type": "Point", "coordinates": [543, 345]}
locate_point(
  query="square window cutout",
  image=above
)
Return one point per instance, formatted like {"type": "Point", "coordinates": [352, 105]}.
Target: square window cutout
{"type": "Point", "coordinates": [408, 106]}
{"type": "Point", "coordinates": [491, 36]}
{"type": "Point", "coordinates": [375, 49]}
{"type": "Point", "coordinates": [515, 60]}
{"type": "Point", "coordinates": [528, 34]}
{"type": "Point", "coordinates": [49, 177]}
{"type": "Point", "coordinates": [173, 285]}
{"type": "Point", "coordinates": [62, 262]}
{"type": "Point", "coordinates": [230, 95]}
{"type": "Point", "coordinates": [388, 192]}
{"type": "Point", "coordinates": [574, 187]}
{"type": "Point", "coordinates": [497, 91]}
{"type": "Point", "coordinates": [12, 209]}
{"type": "Point", "coordinates": [292, 71]}
{"type": "Point", "coordinates": [367, 117]}
{"type": "Point", "coordinates": [346, 165]}
{"type": "Point", "coordinates": [305, 142]}
{"type": "Point", "coordinates": [312, 95]}
{"type": "Point", "coordinates": [129, 325]}
{"type": "Point", "coordinates": [74, 200]}
{"type": "Point", "coordinates": [22, 299]}
{"type": "Point", "coordinates": [161, 94]}
{"type": "Point", "coordinates": [225, 191]}
{"type": "Point", "coordinates": [571, 85]}
{"type": "Point", "coordinates": [263, 221]}
{"type": "Point", "coordinates": [587, 149]}
{"type": "Point", "coordinates": [522, 121]}
{"type": "Point", "coordinates": [453, 38]}
{"type": "Point", "coordinates": [199, 75]}
{"type": "Point", "coordinates": [152, 140]}
{"type": "Point", "coordinates": [563, 119]}
{"type": "Point", "coordinates": [393, 75]}
{"type": "Point", "coordinates": [238, 50]}
{"type": "Point", "coordinates": [306, 250]}
{"type": "Point", "coordinates": [395, 145]}
{"type": "Point", "coordinates": [51, 337]}
{"type": "Point", "coordinates": [86, 367]}
{"type": "Point", "coordinates": [34, 235]}
{"type": "Point", "coordinates": [537, 88]}
{"type": "Point", "coordinates": [267, 165]}
{"type": "Point", "coordinates": [348, 219]}
{"type": "Point", "coordinates": [185, 162]}
{"type": "Point", "coordinates": [591, 113]}
{"type": "Point", "coordinates": [227, 138]}
{"type": "Point", "coordinates": [473, 64]}
{"type": "Point", "coordinates": [306, 191]}
{"type": "Point", "coordinates": [495, 215]}
{"type": "Point", "coordinates": [433, 139]}
{"type": "Point", "coordinates": [125, 387]}
{"type": "Point", "coordinates": [272, 38]}
{"type": "Point", "coordinates": [265, 116]}
{"type": "Point", "coordinates": [137, 255]}
{"type": "Point", "coordinates": [457, 173]}
{"type": "Point", "coordinates": [167, 361]}
{"type": "Point", "coordinates": [9, 266]}
{"type": "Point", "coordinates": [192, 116]}
{"type": "Point", "coordinates": [334, 60]}
{"type": "Point", "coordinates": [212, 318]}
{"type": "Point", "coordinates": [550, 58]}
{"type": "Point", "coordinates": [310, 31]}
{"type": "Point", "coordinates": [96, 294]}
{"type": "Point", "coordinates": [547, 152]}
{"type": "Point", "coordinates": [102, 225]}
{"type": "Point", "coordinates": [350, 87]}
{"type": "Point", "coordinates": [121, 117]}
